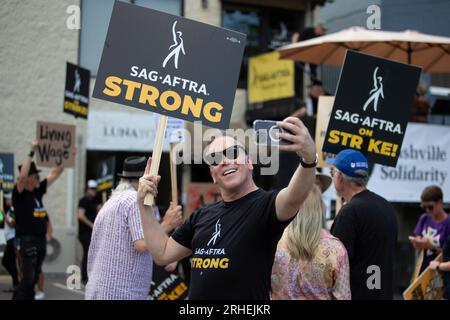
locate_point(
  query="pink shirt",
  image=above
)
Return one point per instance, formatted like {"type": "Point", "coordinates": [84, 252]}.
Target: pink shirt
{"type": "Point", "coordinates": [325, 277]}
{"type": "Point", "coordinates": [116, 270]}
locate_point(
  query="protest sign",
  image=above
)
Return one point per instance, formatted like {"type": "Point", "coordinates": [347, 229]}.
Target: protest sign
{"type": "Point", "coordinates": [105, 174]}
{"type": "Point", "coordinates": [428, 286]}
{"type": "Point", "coordinates": [270, 78]}
{"type": "Point", "coordinates": [324, 109]}
{"type": "Point", "coordinates": [372, 106]}
{"type": "Point", "coordinates": [76, 94]}
{"type": "Point", "coordinates": [170, 65]}
{"type": "Point", "coordinates": [6, 172]}
{"type": "Point", "coordinates": [200, 194]}
{"type": "Point", "coordinates": [167, 285]}
{"type": "Point", "coordinates": [423, 161]}
{"type": "Point", "coordinates": [56, 144]}
{"type": "Point", "coordinates": [186, 69]}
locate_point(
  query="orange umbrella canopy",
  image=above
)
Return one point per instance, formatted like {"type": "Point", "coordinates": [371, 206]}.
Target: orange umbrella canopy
{"type": "Point", "coordinates": [431, 53]}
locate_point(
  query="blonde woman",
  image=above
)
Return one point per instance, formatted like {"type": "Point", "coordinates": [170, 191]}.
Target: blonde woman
{"type": "Point", "coordinates": [310, 264]}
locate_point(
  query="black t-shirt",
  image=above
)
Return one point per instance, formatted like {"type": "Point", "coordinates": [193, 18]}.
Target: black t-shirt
{"type": "Point", "coordinates": [89, 205]}
{"type": "Point", "coordinates": [233, 247]}
{"type": "Point", "coordinates": [31, 216]}
{"type": "Point", "coordinates": [307, 33]}
{"type": "Point", "coordinates": [367, 226]}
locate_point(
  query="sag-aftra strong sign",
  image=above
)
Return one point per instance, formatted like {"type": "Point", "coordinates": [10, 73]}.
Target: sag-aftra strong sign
{"type": "Point", "coordinates": [170, 65]}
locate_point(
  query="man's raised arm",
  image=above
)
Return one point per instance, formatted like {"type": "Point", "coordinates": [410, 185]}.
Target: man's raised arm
{"type": "Point", "coordinates": [163, 249]}
{"type": "Point", "coordinates": [291, 198]}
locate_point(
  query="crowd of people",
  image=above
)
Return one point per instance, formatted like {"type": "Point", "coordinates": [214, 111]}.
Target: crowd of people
{"type": "Point", "coordinates": [252, 244]}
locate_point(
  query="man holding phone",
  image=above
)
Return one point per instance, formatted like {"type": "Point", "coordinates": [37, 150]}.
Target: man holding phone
{"type": "Point", "coordinates": [233, 241]}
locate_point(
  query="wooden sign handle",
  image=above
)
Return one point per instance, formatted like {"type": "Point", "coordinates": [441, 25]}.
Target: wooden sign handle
{"type": "Point", "coordinates": [104, 196]}
{"type": "Point", "coordinates": [173, 176]}
{"type": "Point", "coordinates": [417, 267]}
{"type": "Point", "coordinates": [156, 154]}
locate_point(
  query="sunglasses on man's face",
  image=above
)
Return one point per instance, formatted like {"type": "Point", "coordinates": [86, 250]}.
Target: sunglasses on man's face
{"type": "Point", "coordinates": [232, 153]}
{"type": "Point", "coordinates": [427, 207]}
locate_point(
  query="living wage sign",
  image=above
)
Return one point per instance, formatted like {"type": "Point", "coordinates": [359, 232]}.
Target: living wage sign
{"type": "Point", "coordinates": [167, 64]}
{"type": "Point", "coordinates": [372, 106]}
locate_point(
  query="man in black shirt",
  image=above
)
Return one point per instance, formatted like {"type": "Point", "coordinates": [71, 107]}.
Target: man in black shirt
{"type": "Point", "coordinates": [367, 226]}
{"type": "Point", "coordinates": [233, 241]}
{"type": "Point", "coordinates": [31, 221]}
{"type": "Point", "coordinates": [87, 211]}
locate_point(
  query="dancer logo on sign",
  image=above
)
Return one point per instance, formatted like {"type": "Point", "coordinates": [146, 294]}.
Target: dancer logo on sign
{"type": "Point", "coordinates": [376, 92]}
{"type": "Point", "coordinates": [177, 47]}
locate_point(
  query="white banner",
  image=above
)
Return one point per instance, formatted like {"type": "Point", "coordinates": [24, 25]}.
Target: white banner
{"type": "Point", "coordinates": [121, 131]}
{"type": "Point", "coordinates": [424, 161]}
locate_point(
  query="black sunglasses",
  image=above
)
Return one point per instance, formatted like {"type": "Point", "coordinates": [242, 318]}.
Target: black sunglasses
{"type": "Point", "coordinates": [215, 158]}
{"type": "Point", "coordinates": [429, 207]}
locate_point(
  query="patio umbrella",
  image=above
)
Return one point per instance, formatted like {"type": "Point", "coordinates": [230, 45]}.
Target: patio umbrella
{"type": "Point", "coordinates": [432, 53]}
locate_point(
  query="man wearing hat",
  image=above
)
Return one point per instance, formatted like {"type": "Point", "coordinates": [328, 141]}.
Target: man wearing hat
{"type": "Point", "coordinates": [31, 221]}
{"type": "Point", "coordinates": [367, 226]}
{"type": "Point", "coordinates": [87, 211]}
{"type": "Point", "coordinates": [119, 265]}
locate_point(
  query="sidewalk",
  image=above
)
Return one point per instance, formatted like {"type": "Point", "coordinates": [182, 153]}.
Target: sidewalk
{"type": "Point", "coordinates": [55, 288]}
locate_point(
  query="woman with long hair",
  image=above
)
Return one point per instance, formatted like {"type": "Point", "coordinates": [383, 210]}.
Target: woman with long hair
{"type": "Point", "coordinates": [310, 264]}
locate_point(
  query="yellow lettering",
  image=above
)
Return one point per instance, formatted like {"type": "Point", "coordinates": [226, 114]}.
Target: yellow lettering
{"type": "Point", "coordinates": [206, 263]}
{"type": "Point", "coordinates": [374, 146]}
{"type": "Point", "coordinates": [386, 148]}
{"type": "Point", "coordinates": [208, 114]}
{"type": "Point", "coordinates": [334, 136]}
{"type": "Point", "coordinates": [176, 100]}
{"type": "Point", "coordinates": [356, 142]}
{"type": "Point", "coordinates": [145, 97]}
{"type": "Point", "coordinates": [224, 263]}
{"type": "Point", "coordinates": [131, 85]}
{"type": "Point", "coordinates": [195, 108]}
{"type": "Point", "coordinates": [215, 263]}
{"type": "Point", "coordinates": [112, 89]}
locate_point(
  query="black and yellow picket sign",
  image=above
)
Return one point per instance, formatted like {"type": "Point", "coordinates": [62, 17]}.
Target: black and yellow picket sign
{"type": "Point", "coordinates": [6, 172]}
{"type": "Point", "coordinates": [105, 174]}
{"type": "Point", "coordinates": [167, 285]}
{"type": "Point", "coordinates": [270, 78]}
{"type": "Point", "coordinates": [76, 93]}
{"type": "Point", "coordinates": [372, 106]}
{"type": "Point", "coordinates": [171, 65]}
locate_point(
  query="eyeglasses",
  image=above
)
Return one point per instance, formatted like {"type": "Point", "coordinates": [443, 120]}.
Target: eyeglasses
{"type": "Point", "coordinates": [428, 207]}
{"type": "Point", "coordinates": [215, 158]}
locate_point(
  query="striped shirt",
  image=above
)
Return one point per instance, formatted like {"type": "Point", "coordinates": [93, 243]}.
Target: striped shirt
{"type": "Point", "coordinates": [116, 270]}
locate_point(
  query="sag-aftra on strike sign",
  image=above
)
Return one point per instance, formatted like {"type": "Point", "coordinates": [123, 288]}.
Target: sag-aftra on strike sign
{"type": "Point", "coordinates": [372, 106]}
{"type": "Point", "coordinates": [170, 65]}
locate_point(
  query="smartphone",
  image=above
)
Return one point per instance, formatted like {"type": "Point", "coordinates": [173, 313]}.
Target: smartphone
{"type": "Point", "coordinates": [265, 133]}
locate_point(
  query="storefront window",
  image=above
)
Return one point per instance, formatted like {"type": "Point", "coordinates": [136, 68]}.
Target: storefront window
{"type": "Point", "coordinates": [266, 29]}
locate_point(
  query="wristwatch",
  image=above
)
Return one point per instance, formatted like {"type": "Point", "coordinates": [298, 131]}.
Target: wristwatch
{"type": "Point", "coordinates": [437, 267]}
{"type": "Point", "coordinates": [309, 165]}
{"type": "Point", "coordinates": [31, 154]}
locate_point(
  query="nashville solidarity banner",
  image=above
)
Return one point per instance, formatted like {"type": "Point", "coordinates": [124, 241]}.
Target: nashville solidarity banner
{"type": "Point", "coordinates": [423, 161]}
{"type": "Point", "coordinates": [170, 65]}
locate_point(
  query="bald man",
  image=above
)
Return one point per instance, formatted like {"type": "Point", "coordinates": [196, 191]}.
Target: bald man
{"type": "Point", "coordinates": [233, 241]}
